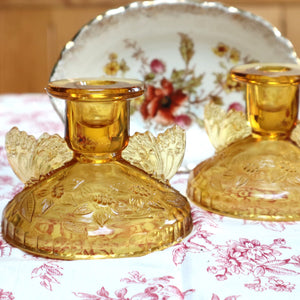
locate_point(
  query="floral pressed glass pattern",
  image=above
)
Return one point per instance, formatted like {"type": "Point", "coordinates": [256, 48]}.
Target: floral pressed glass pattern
{"type": "Point", "coordinates": [96, 204]}
{"type": "Point", "coordinates": [257, 177]}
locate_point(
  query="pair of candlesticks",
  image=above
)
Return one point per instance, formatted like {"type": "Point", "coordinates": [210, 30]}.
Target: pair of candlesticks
{"type": "Point", "coordinates": [99, 193]}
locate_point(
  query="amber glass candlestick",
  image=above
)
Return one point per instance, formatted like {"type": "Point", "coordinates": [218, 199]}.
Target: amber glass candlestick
{"type": "Point", "coordinates": [97, 205]}
{"type": "Point", "coordinates": [257, 177]}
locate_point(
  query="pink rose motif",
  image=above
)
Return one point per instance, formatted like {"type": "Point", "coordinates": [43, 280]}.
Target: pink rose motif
{"type": "Point", "coordinates": [245, 256]}
{"type": "Point", "coordinates": [157, 66]}
{"type": "Point", "coordinates": [254, 250]}
{"type": "Point", "coordinates": [235, 262]}
{"type": "Point", "coordinates": [184, 121]}
{"type": "Point", "coordinates": [236, 106]}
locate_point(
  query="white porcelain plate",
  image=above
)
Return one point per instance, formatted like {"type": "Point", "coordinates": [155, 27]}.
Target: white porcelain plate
{"type": "Point", "coordinates": [183, 50]}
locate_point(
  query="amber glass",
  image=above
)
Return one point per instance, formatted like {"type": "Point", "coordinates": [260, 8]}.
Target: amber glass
{"type": "Point", "coordinates": [257, 177]}
{"type": "Point", "coordinates": [272, 98]}
{"type": "Point", "coordinates": [97, 205]}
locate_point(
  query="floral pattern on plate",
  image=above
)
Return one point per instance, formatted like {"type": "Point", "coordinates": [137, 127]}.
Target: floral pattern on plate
{"type": "Point", "coordinates": [176, 99]}
{"type": "Point", "coordinates": [183, 50]}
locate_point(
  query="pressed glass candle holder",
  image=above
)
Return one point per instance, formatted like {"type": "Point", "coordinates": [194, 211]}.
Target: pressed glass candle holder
{"type": "Point", "coordinates": [97, 205]}
{"type": "Point", "coordinates": [257, 177]}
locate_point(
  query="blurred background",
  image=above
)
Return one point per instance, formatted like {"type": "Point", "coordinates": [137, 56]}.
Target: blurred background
{"type": "Point", "coordinates": [33, 33]}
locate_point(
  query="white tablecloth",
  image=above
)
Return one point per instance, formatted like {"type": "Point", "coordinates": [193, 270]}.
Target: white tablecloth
{"type": "Point", "coordinates": [222, 258]}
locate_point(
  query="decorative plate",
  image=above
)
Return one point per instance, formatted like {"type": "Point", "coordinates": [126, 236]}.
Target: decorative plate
{"type": "Point", "coordinates": [183, 50]}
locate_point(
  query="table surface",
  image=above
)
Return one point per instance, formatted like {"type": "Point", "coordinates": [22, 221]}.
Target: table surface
{"type": "Point", "coordinates": [223, 258]}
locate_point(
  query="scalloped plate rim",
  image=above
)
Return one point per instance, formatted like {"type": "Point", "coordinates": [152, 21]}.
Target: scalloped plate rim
{"type": "Point", "coordinates": [227, 10]}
